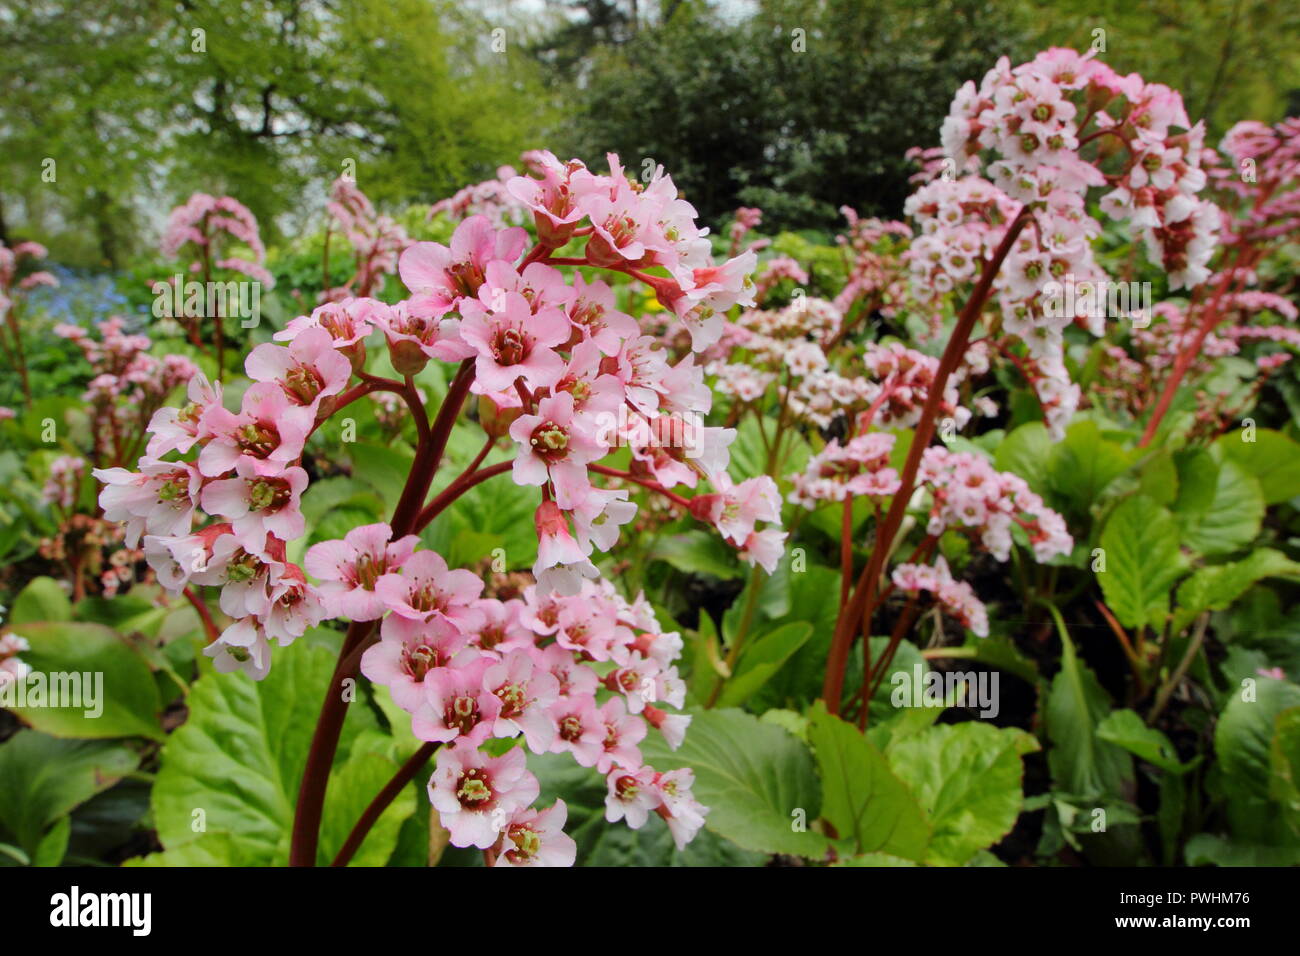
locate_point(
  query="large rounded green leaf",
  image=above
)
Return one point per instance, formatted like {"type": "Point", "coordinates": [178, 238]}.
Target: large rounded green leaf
{"type": "Point", "coordinates": [105, 684]}
{"type": "Point", "coordinates": [756, 779]}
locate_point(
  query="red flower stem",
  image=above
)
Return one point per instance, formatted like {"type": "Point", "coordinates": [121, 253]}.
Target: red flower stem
{"type": "Point", "coordinates": [453, 491]}
{"type": "Point", "coordinates": [861, 602]}
{"type": "Point", "coordinates": [378, 805]}
{"type": "Point", "coordinates": [324, 745]}
{"type": "Point", "coordinates": [643, 482]}
{"type": "Point", "coordinates": [1189, 354]}
{"type": "Point", "coordinates": [428, 454]}
{"type": "Point", "coordinates": [205, 615]}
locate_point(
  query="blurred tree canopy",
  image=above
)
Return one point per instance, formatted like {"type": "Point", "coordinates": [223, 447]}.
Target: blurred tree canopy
{"type": "Point", "coordinates": [801, 108]}
{"type": "Point", "coordinates": [112, 111]}
{"type": "Point", "coordinates": [140, 102]}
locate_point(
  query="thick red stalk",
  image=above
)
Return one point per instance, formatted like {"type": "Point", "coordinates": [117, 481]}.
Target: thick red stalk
{"type": "Point", "coordinates": [861, 602]}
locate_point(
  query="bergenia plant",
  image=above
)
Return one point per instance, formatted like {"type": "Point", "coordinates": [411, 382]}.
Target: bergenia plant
{"type": "Point", "coordinates": [563, 383]}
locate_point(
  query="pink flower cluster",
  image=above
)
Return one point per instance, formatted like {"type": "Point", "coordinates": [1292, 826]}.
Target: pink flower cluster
{"type": "Point", "coordinates": [64, 482]}
{"type": "Point", "coordinates": [127, 386]}
{"type": "Point", "coordinates": [957, 598]}
{"type": "Point", "coordinates": [470, 669]}
{"type": "Point", "coordinates": [971, 495]}
{"type": "Point", "coordinates": [1265, 169]}
{"type": "Point", "coordinates": [861, 468]}
{"type": "Point", "coordinates": [568, 378]}
{"type": "Point", "coordinates": [376, 239]}
{"type": "Point", "coordinates": [207, 223]}
{"type": "Point", "coordinates": [11, 262]}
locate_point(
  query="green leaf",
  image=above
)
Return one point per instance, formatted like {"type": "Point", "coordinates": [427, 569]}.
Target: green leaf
{"type": "Point", "coordinates": [351, 789]}
{"type": "Point", "coordinates": [697, 552]}
{"type": "Point", "coordinates": [762, 659]}
{"type": "Point", "coordinates": [94, 669]}
{"type": "Point", "coordinates": [1272, 458]}
{"type": "Point", "coordinates": [1198, 473]}
{"type": "Point", "coordinates": [862, 798]}
{"type": "Point", "coordinates": [756, 779]}
{"type": "Point", "coordinates": [1209, 848]}
{"type": "Point", "coordinates": [1027, 452]}
{"type": "Point", "coordinates": [42, 600]}
{"type": "Point", "coordinates": [1284, 760]}
{"type": "Point", "coordinates": [54, 845]}
{"type": "Point", "coordinates": [43, 778]}
{"type": "Point", "coordinates": [239, 759]}
{"type": "Point", "coordinates": [1215, 587]}
{"type": "Point", "coordinates": [1124, 728]}
{"type": "Point", "coordinates": [875, 859]}
{"type": "Point", "coordinates": [1233, 517]}
{"type": "Point", "coordinates": [1243, 742]}
{"type": "Point", "coordinates": [1083, 465]}
{"type": "Point", "coordinates": [1140, 542]}
{"type": "Point", "coordinates": [1080, 761]}
{"type": "Point", "coordinates": [968, 778]}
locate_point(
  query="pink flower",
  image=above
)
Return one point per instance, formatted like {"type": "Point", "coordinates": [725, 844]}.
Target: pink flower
{"type": "Point", "coordinates": [734, 509]}
{"type": "Point", "coordinates": [349, 569]}
{"type": "Point", "coordinates": [424, 588]}
{"type": "Point", "coordinates": [764, 548]}
{"type": "Point", "coordinates": [525, 691]}
{"type": "Point", "coordinates": [554, 446]}
{"type": "Point", "coordinates": [408, 652]}
{"type": "Point", "coordinates": [456, 704]}
{"type": "Point", "coordinates": [623, 731]}
{"type": "Point", "coordinates": [160, 499]}
{"type": "Point", "coordinates": [310, 370]}
{"type": "Point", "coordinates": [594, 313]}
{"type": "Point", "coordinates": [631, 796]}
{"type": "Point", "coordinates": [561, 562]}
{"type": "Point", "coordinates": [513, 342]}
{"type": "Point", "coordinates": [177, 429]}
{"type": "Point", "coordinates": [476, 795]}
{"type": "Point", "coordinates": [241, 647]}
{"type": "Point", "coordinates": [439, 277]}
{"type": "Point", "coordinates": [537, 838]}
{"type": "Point", "coordinates": [414, 339]}
{"type": "Point", "coordinates": [580, 729]}
{"type": "Point", "coordinates": [257, 504]}
{"type": "Point", "coordinates": [678, 806]}
{"type": "Point", "coordinates": [269, 433]}
{"type": "Point", "coordinates": [551, 199]}
{"type": "Point", "coordinates": [672, 726]}
{"type": "Point", "coordinates": [294, 607]}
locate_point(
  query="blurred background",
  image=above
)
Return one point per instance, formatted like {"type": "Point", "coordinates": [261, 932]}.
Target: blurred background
{"type": "Point", "coordinates": [796, 106]}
